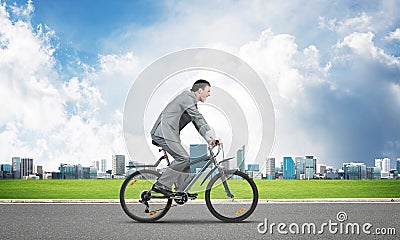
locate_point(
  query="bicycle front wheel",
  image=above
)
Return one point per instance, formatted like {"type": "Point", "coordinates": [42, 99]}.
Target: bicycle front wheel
{"type": "Point", "coordinates": [232, 196]}
{"type": "Point", "coordinates": [138, 202]}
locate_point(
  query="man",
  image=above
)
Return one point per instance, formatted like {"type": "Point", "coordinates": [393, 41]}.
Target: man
{"type": "Point", "coordinates": [166, 133]}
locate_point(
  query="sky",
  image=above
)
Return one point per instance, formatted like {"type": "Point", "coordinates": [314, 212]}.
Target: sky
{"type": "Point", "coordinates": [332, 69]}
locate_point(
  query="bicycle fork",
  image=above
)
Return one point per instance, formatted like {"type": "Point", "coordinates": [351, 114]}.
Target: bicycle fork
{"type": "Point", "coordinates": [223, 179]}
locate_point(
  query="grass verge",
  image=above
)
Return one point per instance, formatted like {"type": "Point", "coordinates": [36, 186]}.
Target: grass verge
{"type": "Point", "coordinates": [275, 189]}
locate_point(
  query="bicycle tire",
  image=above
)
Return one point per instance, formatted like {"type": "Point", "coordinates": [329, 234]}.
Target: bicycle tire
{"type": "Point", "coordinates": [130, 194]}
{"type": "Point", "coordinates": [227, 209]}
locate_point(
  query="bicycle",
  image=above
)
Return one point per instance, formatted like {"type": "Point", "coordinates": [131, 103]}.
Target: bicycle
{"type": "Point", "coordinates": [230, 195]}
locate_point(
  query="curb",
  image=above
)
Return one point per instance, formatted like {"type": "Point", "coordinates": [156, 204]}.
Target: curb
{"type": "Point", "coordinates": [202, 201]}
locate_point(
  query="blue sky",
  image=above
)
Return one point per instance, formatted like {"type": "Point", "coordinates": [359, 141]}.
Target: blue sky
{"type": "Point", "coordinates": [332, 69]}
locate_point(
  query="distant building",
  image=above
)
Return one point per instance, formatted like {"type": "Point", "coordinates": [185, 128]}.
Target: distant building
{"type": "Point", "coordinates": [354, 171]}
{"type": "Point", "coordinates": [240, 157]}
{"type": "Point", "coordinates": [253, 167]}
{"type": "Point", "coordinates": [310, 167]}
{"type": "Point", "coordinates": [385, 168]}
{"type": "Point", "coordinates": [89, 172]}
{"type": "Point", "coordinates": [288, 168]}
{"type": "Point", "coordinates": [67, 171]}
{"type": "Point", "coordinates": [398, 165]}
{"type": "Point", "coordinates": [253, 170]}
{"type": "Point", "coordinates": [26, 167]}
{"type": "Point", "coordinates": [300, 167]}
{"type": "Point", "coordinates": [373, 173]}
{"type": "Point", "coordinates": [103, 165]}
{"type": "Point", "coordinates": [321, 170]}
{"type": "Point", "coordinates": [39, 171]}
{"type": "Point", "coordinates": [118, 164]}
{"type": "Point", "coordinates": [16, 167]}
{"type": "Point", "coordinates": [330, 174]}
{"type": "Point", "coordinates": [197, 151]}
{"type": "Point", "coordinates": [270, 168]}
{"type": "Point", "coordinates": [378, 163]}
{"type": "Point", "coordinates": [5, 171]}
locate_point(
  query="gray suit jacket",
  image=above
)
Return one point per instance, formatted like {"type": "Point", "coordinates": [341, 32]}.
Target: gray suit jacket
{"type": "Point", "coordinates": [177, 114]}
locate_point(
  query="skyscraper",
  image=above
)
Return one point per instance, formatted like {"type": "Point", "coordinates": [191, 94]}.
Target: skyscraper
{"type": "Point", "coordinates": [354, 171]}
{"type": "Point", "coordinates": [310, 166]}
{"type": "Point", "coordinates": [378, 163]}
{"type": "Point", "coordinates": [300, 167]}
{"type": "Point", "coordinates": [398, 165]}
{"type": "Point", "coordinates": [288, 168]}
{"type": "Point", "coordinates": [103, 165]}
{"type": "Point", "coordinates": [240, 157]}
{"type": "Point", "coordinates": [270, 168]}
{"type": "Point", "coordinates": [385, 168]}
{"type": "Point", "coordinates": [26, 167]}
{"type": "Point", "coordinates": [16, 167]}
{"type": "Point", "coordinates": [118, 164]}
{"type": "Point", "coordinates": [197, 151]}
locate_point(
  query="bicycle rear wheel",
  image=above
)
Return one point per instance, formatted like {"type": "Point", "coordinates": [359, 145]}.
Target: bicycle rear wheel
{"type": "Point", "coordinates": [138, 202]}
{"type": "Point", "coordinates": [233, 208]}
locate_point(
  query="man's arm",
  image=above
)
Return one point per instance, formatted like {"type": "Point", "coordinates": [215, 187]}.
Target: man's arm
{"type": "Point", "coordinates": [200, 123]}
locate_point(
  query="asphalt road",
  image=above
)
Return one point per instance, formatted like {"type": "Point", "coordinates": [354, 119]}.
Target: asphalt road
{"type": "Point", "coordinates": [193, 221]}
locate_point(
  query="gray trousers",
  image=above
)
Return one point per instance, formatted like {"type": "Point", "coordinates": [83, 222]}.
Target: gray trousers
{"type": "Point", "coordinates": [178, 171]}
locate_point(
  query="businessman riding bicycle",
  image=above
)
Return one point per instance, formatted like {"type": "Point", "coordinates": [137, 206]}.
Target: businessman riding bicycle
{"type": "Point", "coordinates": [166, 133]}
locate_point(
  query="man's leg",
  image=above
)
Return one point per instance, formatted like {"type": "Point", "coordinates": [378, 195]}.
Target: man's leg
{"type": "Point", "coordinates": [178, 171]}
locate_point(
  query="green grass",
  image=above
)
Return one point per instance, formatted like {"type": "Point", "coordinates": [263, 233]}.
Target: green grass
{"type": "Point", "coordinates": [275, 189]}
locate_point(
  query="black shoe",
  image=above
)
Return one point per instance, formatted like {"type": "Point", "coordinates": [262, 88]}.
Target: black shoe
{"type": "Point", "coordinates": [158, 189]}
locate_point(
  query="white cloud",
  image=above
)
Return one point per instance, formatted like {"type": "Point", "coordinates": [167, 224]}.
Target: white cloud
{"type": "Point", "coordinates": [284, 67]}
{"type": "Point", "coordinates": [395, 35]}
{"type": "Point", "coordinates": [355, 24]}
{"type": "Point", "coordinates": [50, 120]}
{"type": "Point", "coordinates": [362, 44]}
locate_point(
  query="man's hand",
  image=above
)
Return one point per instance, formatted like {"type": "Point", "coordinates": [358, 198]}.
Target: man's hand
{"type": "Point", "coordinates": [213, 140]}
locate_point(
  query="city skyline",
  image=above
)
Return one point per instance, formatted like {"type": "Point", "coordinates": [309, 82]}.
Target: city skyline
{"type": "Point", "coordinates": [290, 168]}
{"type": "Point", "coordinates": [332, 74]}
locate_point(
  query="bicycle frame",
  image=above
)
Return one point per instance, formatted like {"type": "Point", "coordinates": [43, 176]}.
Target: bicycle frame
{"type": "Point", "coordinates": [211, 159]}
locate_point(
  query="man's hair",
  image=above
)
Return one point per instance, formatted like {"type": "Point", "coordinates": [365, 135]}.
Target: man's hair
{"type": "Point", "coordinates": [201, 83]}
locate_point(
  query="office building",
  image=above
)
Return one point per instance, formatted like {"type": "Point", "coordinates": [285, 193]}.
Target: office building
{"type": "Point", "coordinates": [5, 171]}
{"type": "Point", "coordinates": [373, 173]}
{"type": "Point", "coordinates": [89, 172]}
{"type": "Point", "coordinates": [96, 164]}
{"type": "Point", "coordinates": [39, 171]}
{"type": "Point", "coordinates": [67, 171]}
{"type": "Point", "coordinates": [354, 171]}
{"type": "Point", "coordinates": [5, 168]}
{"type": "Point", "coordinates": [310, 166]}
{"type": "Point", "coordinates": [16, 167]}
{"type": "Point", "coordinates": [26, 167]}
{"type": "Point", "coordinates": [288, 168]}
{"type": "Point", "coordinates": [197, 151]}
{"type": "Point", "coordinates": [118, 165]}
{"type": "Point", "coordinates": [398, 165]}
{"type": "Point", "coordinates": [300, 167]}
{"type": "Point", "coordinates": [253, 167]}
{"type": "Point", "coordinates": [321, 170]}
{"type": "Point", "coordinates": [270, 168]}
{"type": "Point", "coordinates": [378, 163]}
{"type": "Point", "coordinates": [253, 170]}
{"type": "Point", "coordinates": [385, 168]}
{"type": "Point", "coordinates": [240, 157]}
{"type": "Point", "coordinates": [103, 165]}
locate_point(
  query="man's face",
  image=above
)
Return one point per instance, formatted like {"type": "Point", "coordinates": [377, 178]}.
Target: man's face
{"type": "Point", "coordinates": [204, 93]}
